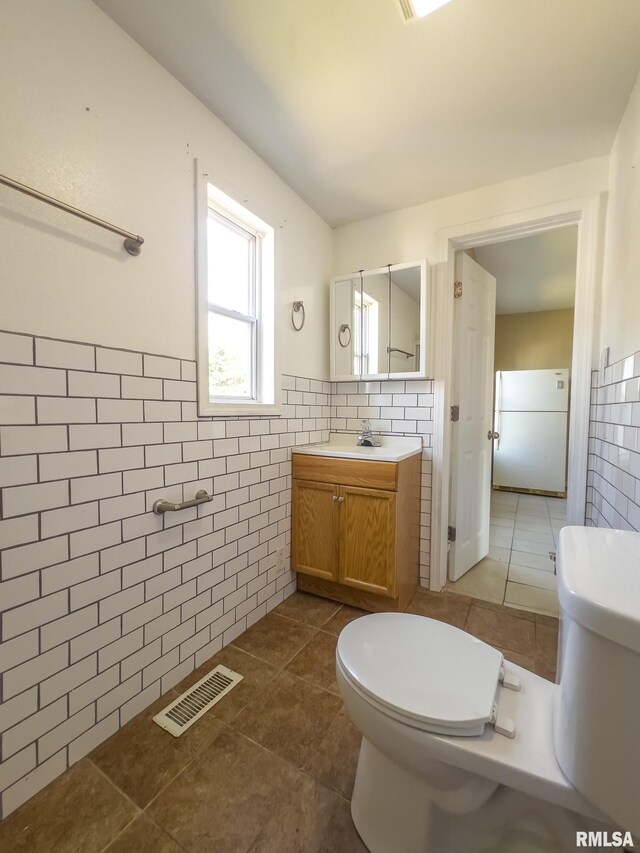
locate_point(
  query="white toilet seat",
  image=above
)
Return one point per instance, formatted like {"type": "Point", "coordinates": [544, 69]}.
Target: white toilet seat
{"type": "Point", "coordinates": [526, 763]}
{"type": "Point", "coordinates": [426, 673]}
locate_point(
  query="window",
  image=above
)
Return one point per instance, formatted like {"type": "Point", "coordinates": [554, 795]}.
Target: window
{"type": "Point", "coordinates": [235, 276]}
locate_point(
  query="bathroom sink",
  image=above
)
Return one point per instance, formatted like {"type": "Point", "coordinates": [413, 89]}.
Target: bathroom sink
{"type": "Point", "coordinates": [343, 446]}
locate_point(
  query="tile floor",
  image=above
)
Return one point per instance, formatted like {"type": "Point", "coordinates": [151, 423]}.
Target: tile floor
{"type": "Point", "coordinates": [518, 570]}
{"type": "Point", "coordinates": [270, 768]}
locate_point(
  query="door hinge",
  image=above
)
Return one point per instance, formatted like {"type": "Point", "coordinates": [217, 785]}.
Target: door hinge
{"type": "Point", "coordinates": [451, 534]}
{"type": "Point", "coordinates": [455, 413]}
{"type": "Point", "coordinates": [457, 289]}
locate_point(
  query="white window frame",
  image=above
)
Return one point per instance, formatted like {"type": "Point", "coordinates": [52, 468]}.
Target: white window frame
{"type": "Point", "coordinates": [265, 392]}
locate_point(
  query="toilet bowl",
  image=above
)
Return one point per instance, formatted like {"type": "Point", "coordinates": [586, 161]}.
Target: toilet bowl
{"type": "Point", "coordinates": [460, 749]}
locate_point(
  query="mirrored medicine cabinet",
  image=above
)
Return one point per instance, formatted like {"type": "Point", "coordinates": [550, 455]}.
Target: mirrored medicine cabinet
{"type": "Point", "coordinates": [379, 323]}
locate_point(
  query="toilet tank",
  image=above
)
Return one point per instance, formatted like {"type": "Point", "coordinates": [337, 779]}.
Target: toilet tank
{"type": "Point", "coordinates": [596, 724]}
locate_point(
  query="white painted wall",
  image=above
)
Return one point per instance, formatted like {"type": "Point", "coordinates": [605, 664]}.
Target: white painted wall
{"type": "Point", "coordinates": [620, 312]}
{"type": "Point", "coordinates": [89, 117]}
{"type": "Point", "coordinates": [410, 233]}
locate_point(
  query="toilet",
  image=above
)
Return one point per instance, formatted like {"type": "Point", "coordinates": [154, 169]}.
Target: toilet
{"type": "Point", "coordinates": [464, 752]}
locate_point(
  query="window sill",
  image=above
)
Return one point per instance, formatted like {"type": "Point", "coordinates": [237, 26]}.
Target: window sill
{"type": "Point", "coordinates": [247, 410]}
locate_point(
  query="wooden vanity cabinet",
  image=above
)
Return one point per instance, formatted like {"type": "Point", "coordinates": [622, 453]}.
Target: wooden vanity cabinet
{"type": "Point", "coordinates": [355, 529]}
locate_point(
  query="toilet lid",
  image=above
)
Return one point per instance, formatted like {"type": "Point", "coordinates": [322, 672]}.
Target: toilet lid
{"type": "Point", "coordinates": [423, 669]}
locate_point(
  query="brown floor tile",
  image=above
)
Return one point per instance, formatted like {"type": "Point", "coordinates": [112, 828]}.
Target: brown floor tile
{"type": "Point", "coordinates": [291, 718]}
{"type": "Point", "coordinates": [225, 797]}
{"type": "Point", "coordinates": [316, 662]}
{"type": "Point", "coordinates": [549, 621]}
{"type": "Point", "coordinates": [525, 661]}
{"type": "Point", "coordinates": [312, 820]}
{"type": "Point", "coordinates": [274, 639]}
{"type": "Point", "coordinates": [342, 833]}
{"type": "Point", "coordinates": [141, 758]}
{"type": "Point", "coordinates": [79, 811]}
{"type": "Point", "coordinates": [546, 640]}
{"type": "Point", "coordinates": [335, 761]}
{"type": "Point", "coordinates": [144, 836]}
{"type": "Point", "coordinates": [504, 608]}
{"type": "Point", "coordinates": [442, 606]}
{"type": "Point", "coordinates": [546, 651]}
{"type": "Point", "coordinates": [345, 615]}
{"type": "Point", "coordinates": [217, 790]}
{"type": "Point", "coordinates": [257, 674]}
{"type": "Point", "coordinates": [309, 609]}
{"type": "Point", "coordinates": [546, 669]}
{"type": "Point", "coordinates": [501, 629]}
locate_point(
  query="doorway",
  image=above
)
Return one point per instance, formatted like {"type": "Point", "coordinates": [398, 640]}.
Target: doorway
{"type": "Point", "coordinates": [513, 341]}
{"type": "Point", "coordinates": [583, 212]}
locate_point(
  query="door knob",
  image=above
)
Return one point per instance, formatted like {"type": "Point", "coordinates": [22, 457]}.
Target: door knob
{"type": "Point", "coordinates": [491, 434]}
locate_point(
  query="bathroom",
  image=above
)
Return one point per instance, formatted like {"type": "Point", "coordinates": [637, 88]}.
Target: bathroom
{"type": "Point", "coordinates": [107, 607]}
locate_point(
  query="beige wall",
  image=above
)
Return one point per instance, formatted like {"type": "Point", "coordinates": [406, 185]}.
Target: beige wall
{"type": "Point", "coordinates": [535, 341]}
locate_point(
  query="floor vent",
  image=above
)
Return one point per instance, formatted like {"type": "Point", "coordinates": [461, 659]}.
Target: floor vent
{"type": "Point", "coordinates": [186, 709]}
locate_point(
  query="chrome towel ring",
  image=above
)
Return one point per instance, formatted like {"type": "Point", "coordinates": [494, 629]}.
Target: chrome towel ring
{"type": "Point", "coordinates": [344, 328]}
{"type": "Point", "coordinates": [297, 306]}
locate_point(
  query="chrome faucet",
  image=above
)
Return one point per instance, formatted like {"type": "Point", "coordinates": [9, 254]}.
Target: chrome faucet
{"type": "Point", "coordinates": [365, 436]}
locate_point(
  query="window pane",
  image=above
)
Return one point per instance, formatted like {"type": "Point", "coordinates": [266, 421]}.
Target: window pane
{"type": "Point", "coordinates": [230, 265]}
{"type": "Point", "coordinates": [230, 357]}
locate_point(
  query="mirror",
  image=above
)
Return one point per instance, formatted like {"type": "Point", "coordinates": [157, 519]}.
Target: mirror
{"type": "Point", "coordinates": [346, 359]}
{"type": "Point", "coordinates": [378, 323]}
{"type": "Point", "coordinates": [373, 320]}
{"type": "Point", "coordinates": [404, 334]}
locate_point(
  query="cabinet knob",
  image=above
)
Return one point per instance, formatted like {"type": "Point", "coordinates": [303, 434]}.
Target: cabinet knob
{"type": "Point", "coordinates": [340, 500]}
{"type": "Point", "coordinates": [334, 498]}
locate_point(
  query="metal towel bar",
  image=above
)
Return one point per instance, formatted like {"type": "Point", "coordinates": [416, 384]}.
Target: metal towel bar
{"type": "Point", "coordinates": [132, 242]}
{"type": "Point", "coordinates": [401, 351]}
{"type": "Point", "coordinates": [166, 506]}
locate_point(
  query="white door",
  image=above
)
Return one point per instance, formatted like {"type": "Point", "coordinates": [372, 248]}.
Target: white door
{"type": "Point", "coordinates": [471, 443]}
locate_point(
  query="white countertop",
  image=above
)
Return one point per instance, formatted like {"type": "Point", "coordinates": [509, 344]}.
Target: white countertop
{"type": "Point", "coordinates": [343, 446]}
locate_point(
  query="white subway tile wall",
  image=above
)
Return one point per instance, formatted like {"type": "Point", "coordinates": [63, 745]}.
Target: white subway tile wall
{"type": "Point", "coordinates": [394, 407]}
{"type": "Point", "coordinates": [613, 477]}
{"type": "Point", "coordinates": [104, 605]}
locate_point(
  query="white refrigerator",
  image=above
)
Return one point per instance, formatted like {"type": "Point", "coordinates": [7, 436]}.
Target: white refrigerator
{"type": "Point", "coordinates": [531, 413]}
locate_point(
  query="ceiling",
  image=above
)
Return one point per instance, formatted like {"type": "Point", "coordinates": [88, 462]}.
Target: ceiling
{"type": "Point", "coordinates": [362, 113]}
{"type": "Point", "coordinates": [535, 273]}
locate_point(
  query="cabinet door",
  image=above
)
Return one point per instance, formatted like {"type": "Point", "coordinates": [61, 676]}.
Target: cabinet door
{"type": "Point", "coordinates": [368, 539]}
{"type": "Point", "coordinates": [314, 533]}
